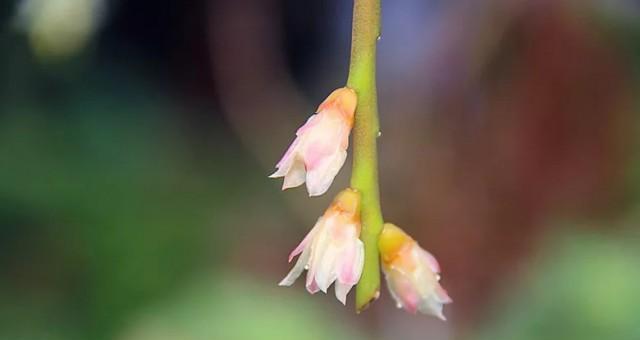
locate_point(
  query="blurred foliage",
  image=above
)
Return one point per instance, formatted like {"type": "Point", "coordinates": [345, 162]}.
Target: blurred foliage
{"type": "Point", "coordinates": [107, 211]}
{"type": "Point", "coordinates": [584, 288]}
{"type": "Point", "coordinates": [237, 308]}
{"type": "Point", "coordinates": [101, 211]}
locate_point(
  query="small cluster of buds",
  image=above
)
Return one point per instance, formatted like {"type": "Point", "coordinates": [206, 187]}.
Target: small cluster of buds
{"type": "Point", "coordinates": [332, 251]}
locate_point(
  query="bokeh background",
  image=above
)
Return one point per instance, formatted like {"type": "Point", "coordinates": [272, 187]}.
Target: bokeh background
{"type": "Point", "coordinates": [136, 138]}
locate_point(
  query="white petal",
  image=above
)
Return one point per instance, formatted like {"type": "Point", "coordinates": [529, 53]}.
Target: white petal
{"type": "Point", "coordinates": [297, 269]}
{"type": "Point", "coordinates": [428, 258]}
{"type": "Point", "coordinates": [404, 288]}
{"type": "Point", "coordinates": [318, 245]}
{"type": "Point", "coordinates": [392, 290]}
{"type": "Point", "coordinates": [306, 241]}
{"type": "Point", "coordinates": [342, 289]}
{"type": "Point", "coordinates": [325, 279]}
{"type": "Point", "coordinates": [319, 179]}
{"type": "Point", "coordinates": [295, 176]}
{"type": "Point", "coordinates": [320, 248]}
{"type": "Point", "coordinates": [284, 165]}
{"type": "Point", "coordinates": [280, 172]}
{"type": "Point", "coordinates": [308, 125]}
{"type": "Point", "coordinates": [326, 273]}
{"type": "Point", "coordinates": [351, 260]}
{"type": "Point", "coordinates": [432, 307]}
{"type": "Point", "coordinates": [312, 287]}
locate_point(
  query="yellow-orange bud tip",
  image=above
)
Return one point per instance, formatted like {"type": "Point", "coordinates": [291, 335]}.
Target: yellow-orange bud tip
{"type": "Point", "coordinates": [391, 241]}
{"type": "Point", "coordinates": [343, 99]}
{"type": "Point", "coordinates": [348, 200]}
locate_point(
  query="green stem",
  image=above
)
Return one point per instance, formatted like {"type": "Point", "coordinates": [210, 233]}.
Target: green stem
{"type": "Point", "coordinates": [364, 178]}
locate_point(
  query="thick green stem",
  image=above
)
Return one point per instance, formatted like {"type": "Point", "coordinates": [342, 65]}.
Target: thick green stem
{"type": "Point", "coordinates": [364, 178]}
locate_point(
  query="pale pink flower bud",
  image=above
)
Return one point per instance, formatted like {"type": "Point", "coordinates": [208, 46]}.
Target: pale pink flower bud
{"type": "Point", "coordinates": [412, 273]}
{"type": "Point", "coordinates": [320, 147]}
{"type": "Point", "coordinates": [332, 251]}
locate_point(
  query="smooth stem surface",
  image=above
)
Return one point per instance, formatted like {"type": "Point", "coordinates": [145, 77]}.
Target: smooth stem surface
{"type": "Point", "coordinates": [364, 178]}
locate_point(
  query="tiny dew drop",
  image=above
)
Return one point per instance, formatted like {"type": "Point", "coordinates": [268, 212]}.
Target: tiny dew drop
{"type": "Point", "coordinates": [379, 134]}
{"type": "Point", "coordinates": [398, 305]}
{"type": "Point", "coordinates": [306, 267]}
{"type": "Point", "coordinates": [379, 38]}
{"type": "Point", "coordinates": [438, 277]}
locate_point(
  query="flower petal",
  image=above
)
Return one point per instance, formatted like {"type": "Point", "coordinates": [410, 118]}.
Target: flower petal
{"type": "Point", "coordinates": [441, 295]}
{"type": "Point", "coordinates": [432, 307]}
{"type": "Point", "coordinates": [403, 290]}
{"type": "Point", "coordinates": [319, 178]}
{"type": "Point", "coordinates": [312, 287]}
{"type": "Point", "coordinates": [326, 272]}
{"type": "Point", "coordinates": [320, 144]}
{"type": "Point", "coordinates": [433, 304]}
{"type": "Point", "coordinates": [308, 125]}
{"type": "Point", "coordinates": [341, 290]}
{"type": "Point", "coordinates": [307, 239]}
{"type": "Point", "coordinates": [332, 249]}
{"type": "Point", "coordinates": [318, 245]}
{"type": "Point", "coordinates": [351, 264]}
{"type": "Point", "coordinates": [287, 160]}
{"type": "Point", "coordinates": [295, 176]}
{"type": "Point", "coordinates": [297, 269]}
{"type": "Point", "coordinates": [429, 259]}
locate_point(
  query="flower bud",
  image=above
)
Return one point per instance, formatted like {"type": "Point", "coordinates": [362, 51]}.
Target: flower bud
{"type": "Point", "coordinates": [412, 273]}
{"type": "Point", "coordinates": [320, 147]}
{"type": "Point", "coordinates": [332, 251]}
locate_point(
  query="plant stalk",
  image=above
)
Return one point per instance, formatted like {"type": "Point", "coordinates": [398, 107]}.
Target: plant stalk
{"type": "Point", "coordinates": [364, 178]}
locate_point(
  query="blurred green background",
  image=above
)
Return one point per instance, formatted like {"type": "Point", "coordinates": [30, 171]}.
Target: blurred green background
{"type": "Point", "coordinates": [136, 137]}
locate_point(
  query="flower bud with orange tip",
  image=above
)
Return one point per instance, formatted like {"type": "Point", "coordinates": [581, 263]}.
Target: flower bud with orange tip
{"type": "Point", "coordinates": [332, 251]}
{"type": "Point", "coordinates": [412, 273]}
{"type": "Point", "coordinates": [320, 148]}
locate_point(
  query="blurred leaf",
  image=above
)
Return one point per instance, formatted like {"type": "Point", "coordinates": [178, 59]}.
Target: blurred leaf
{"type": "Point", "coordinates": [108, 210]}
{"type": "Point", "coordinates": [586, 288]}
{"type": "Point", "coordinates": [234, 308]}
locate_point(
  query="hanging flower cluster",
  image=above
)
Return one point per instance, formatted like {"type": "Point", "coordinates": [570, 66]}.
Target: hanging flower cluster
{"type": "Point", "coordinates": [332, 251]}
{"type": "Point", "coordinates": [350, 242]}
